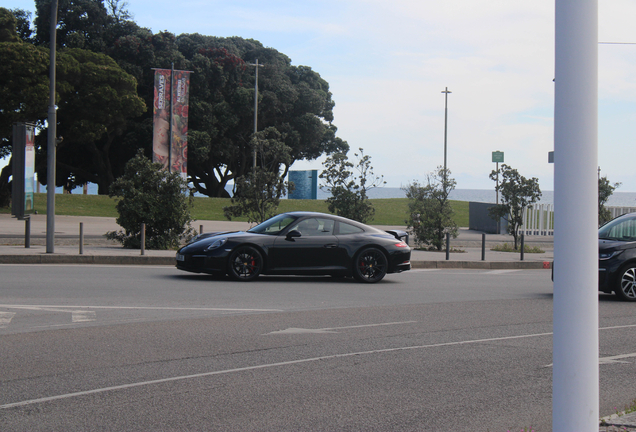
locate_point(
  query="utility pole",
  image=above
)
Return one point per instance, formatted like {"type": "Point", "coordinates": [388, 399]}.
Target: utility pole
{"type": "Point", "coordinates": [52, 139]}
{"type": "Point", "coordinates": [256, 65]}
{"type": "Point", "coordinates": [446, 92]}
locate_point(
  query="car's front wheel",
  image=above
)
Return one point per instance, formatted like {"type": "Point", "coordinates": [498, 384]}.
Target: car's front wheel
{"type": "Point", "coordinates": [245, 263]}
{"type": "Point", "coordinates": [626, 283]}
{"type": "Point", "coordinates": [370, 265]}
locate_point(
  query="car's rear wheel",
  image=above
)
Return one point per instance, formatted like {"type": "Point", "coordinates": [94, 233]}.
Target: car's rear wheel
{"type": "Point", "coordinates": [245, 263]}
{"type": "Point", "coordinates": [370, 265]}
{"type": "Point", "coordinates": [626, 283]}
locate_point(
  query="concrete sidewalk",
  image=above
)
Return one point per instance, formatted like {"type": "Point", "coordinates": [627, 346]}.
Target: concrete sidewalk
{"type": "Point", "coordinates": [98, 250]}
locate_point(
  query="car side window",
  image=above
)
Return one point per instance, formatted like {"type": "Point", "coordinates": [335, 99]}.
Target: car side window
{"type": "Point", "coordinates": [625, 230]}
{"type": "Point", "coordinates": [315, 227]}
{"type": "Point", "coordinates": [345, 228]}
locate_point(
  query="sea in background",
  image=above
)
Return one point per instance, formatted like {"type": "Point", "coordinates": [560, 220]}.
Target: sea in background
{"type": "Point", "coordinates": [618, 199]}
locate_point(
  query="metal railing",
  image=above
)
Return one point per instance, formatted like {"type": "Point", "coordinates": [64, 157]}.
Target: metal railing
{"type": "Point", "coordinates": [538, 219]}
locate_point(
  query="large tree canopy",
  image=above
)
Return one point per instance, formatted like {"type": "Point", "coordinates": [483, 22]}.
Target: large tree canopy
{"type": "Point", "coordinates": [95, 99]}
{"type": "Point", "coordinates": [294, 100]}
{"type": "Point", "coordinates": [92, 118]}
{"type": "Point", "coordinates": [102, 122]}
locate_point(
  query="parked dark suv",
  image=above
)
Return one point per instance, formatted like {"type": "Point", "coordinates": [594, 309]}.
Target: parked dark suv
{"type": "Point", "coordinates": [617, 257]}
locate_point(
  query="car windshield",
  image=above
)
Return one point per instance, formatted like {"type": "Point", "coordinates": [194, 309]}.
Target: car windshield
{"type": "Point", "coordinates": [274, 225]}
{"type": "Point", "coordinates": [621, 228]}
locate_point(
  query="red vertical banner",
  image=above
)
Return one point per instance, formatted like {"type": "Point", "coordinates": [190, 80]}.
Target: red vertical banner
{"type": "Point", "coordinates": [161, 118]}
{"type": "Point", "coordinates": [179, 151]}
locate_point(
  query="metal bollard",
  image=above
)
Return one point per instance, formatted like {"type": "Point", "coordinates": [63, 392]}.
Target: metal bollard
{"type": "Point", "coordinates": [143, 238]}
{"type": "Point", "coordinates": [200, 229]}
{"type": "Point", "coordinates": [522, 247]}
{"type": "Point", "coordinates": [447, 246]}
{"type": "Point", "coordinates": [483, 247]}
{"type": "Point", "coordinates": [27, 232]}
{"type": "Point", "coordinates": [81, 239]}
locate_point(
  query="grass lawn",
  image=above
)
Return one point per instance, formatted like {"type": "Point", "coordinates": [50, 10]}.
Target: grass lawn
{"type": "Point", "coordinates": [388, 211]}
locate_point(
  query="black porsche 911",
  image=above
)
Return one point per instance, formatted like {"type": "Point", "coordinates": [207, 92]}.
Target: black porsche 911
{"type": "Point", "coordinates": [299, 243]}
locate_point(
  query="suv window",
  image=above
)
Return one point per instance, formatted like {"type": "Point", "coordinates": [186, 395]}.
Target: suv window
{"type": "Point", "coordinates": [619, 229]}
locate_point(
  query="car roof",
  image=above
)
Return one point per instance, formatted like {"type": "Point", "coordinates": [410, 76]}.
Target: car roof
{"type": "Point", "coordinates": [334, 217]}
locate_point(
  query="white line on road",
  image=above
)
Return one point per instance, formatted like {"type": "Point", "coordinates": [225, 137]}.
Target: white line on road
{"type": "Point", "coordinates": [294, 330]}
{"type": "Point", "coordinates": [498, 272]}
{"type": "Point", "coordinates": [83, 316]}
{"type": "Point", "coordinates": [57, 308]}
{"type": "Point", "coordinates": [271, 365]}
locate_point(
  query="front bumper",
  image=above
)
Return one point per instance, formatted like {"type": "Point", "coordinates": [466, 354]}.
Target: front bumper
{"type": "Point", "coordinates": [198, 263]}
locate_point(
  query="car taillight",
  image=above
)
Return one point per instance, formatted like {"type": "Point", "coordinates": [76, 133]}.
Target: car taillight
{"type": "Point", "coordinates": [401, 244]}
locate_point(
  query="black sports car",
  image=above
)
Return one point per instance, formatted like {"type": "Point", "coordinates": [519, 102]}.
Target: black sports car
{"type": "Point", "coordinates": [617, 257]}
{"type": "Point", "coordinates": [298, 243]}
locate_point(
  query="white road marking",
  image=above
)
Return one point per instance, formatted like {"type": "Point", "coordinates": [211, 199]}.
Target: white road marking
{"type": "Point", "coordinates": [271, 365]}
{"type": "Point", "coordinates": [616, 358]}
{"type": "Point", "coordinates": [83, 316]}
{"type": "Point", "coordinates": [293, 330]}
{"type": "Point", "coordinates": [5, 318]}
{"type": "Point", "coordinates": [498, 272]}
{"type": "Point", "coordinates": [609, 360]}
{"type": "Point", "coordinates": [56, 308]}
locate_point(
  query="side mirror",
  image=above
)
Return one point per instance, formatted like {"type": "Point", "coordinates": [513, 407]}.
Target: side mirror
{"type": "Point", "coordinates": [292, 235]}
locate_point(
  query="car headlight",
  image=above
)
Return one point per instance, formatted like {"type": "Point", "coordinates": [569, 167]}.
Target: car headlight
{"type": "Point", "coordinates": [603, 256]}
{"type": "Point", "coordinates": [216, 244]}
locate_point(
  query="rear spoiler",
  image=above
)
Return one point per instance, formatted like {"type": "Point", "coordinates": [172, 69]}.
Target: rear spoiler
{"type": "Point", "coordinates": [400, 235]}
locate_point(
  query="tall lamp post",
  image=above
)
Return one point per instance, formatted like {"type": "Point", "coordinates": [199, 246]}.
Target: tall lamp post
{"type": "Point", "coordinates": [52, 140]}
{"type": "Point", "coordinates": [446, 92]}
{"type": "Point", "coordinates": [256, 65]}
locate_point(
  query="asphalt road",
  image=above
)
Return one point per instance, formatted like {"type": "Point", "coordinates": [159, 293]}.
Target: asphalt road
{"type": "Point", "coordinates": [149, 348]}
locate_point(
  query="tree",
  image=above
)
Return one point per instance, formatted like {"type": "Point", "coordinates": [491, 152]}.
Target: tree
{"type": "Point", "coordinates": [517, 193]}
{"type": "Point", "coordinates": [605, 191]}
{"type": "Point", "coordinates": [430, 213]}
{"type": "Point", "coordinates": [348, 189]}
{"type": "Point", "coordinates": [148, 194]}
{"type": "Point", "coordinates": [294, 100]}
{"type": "Point", "coordinates": [8, 26]}
{"type": "Point", "coordinates": [91, 119]}
{"type": "Point", "coordinates": [24, 89]}
{"type": "Point", "coordinates": [259, 192]}
{"type": "Point", "coordinates": [82, 24]}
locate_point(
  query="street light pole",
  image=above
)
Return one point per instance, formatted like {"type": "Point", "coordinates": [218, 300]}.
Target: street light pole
{"type": "Point", "coordinates": [256, 65]}
{"type": "Point", "coordinates": [52, 139]}
{"type": "Point", "coordinates": [446, 92]}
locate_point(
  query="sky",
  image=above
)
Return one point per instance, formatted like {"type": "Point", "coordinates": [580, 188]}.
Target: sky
{"type": "Point", "coordinates": [387, 64]}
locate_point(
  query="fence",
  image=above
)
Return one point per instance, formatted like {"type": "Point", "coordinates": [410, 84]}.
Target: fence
{"type": "Point", "coordinates": [539, 219]}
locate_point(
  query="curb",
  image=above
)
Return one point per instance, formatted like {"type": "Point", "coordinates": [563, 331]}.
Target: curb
{"type": "Point", "coordinates": [488, 265]}
{"type": "Point", "coordinates": [87, 259]}
{"type": "Point", "coordinates": [170, 261]}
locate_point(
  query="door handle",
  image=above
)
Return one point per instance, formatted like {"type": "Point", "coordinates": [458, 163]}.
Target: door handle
{"type": "Point", "coordinates": [330, 246]}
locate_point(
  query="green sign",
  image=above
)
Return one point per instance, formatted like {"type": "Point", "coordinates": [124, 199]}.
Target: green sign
{"type": "Point", "coordinates": [497, 156]}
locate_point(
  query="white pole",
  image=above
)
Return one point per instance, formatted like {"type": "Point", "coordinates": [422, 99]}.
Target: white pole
{"type": "Point", "coordinates": [575, 394]}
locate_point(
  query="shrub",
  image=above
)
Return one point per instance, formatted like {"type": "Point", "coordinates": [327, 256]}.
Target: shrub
{"type": "Point", "coordinates": [148, 194]}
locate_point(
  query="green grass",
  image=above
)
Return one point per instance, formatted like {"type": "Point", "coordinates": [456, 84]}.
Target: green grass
{"type": "Point", "coordinates": [507, 247]}
{"type": "Point", "coordinates": [389, 211]}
